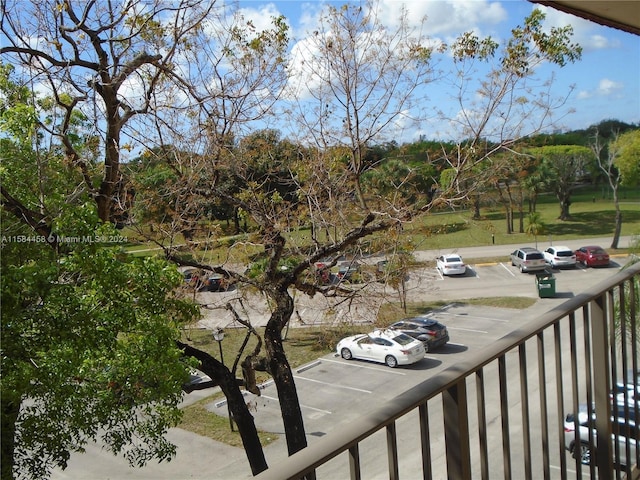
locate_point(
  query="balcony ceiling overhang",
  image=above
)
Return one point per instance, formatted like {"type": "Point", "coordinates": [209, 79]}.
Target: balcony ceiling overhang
{"type": "Point", "coordinates": [623, 15]}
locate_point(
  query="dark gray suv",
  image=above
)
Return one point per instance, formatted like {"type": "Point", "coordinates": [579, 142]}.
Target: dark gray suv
{"type": "Point", "coordinates": [528, 259]}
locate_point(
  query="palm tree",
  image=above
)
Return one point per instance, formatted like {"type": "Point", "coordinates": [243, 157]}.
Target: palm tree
{"type": "Point", "coordinates": [535, 226]}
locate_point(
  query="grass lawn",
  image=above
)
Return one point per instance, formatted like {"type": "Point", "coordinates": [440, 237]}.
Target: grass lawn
{"type": "Point", "coordinates": [592, 215]}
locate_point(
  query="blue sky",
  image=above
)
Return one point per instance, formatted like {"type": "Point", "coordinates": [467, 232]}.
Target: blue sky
{"type": "Point", "coordinates": [606, 81]}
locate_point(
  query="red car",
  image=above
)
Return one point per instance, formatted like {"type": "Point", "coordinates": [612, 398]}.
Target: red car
{"type": "Point", "coordinates": [592, 256]}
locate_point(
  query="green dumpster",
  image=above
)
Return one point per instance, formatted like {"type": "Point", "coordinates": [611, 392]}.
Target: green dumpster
{"type": "Point", "coordinates": [546, 284]}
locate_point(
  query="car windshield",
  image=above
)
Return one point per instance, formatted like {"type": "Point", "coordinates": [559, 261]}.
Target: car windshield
{"type": "Point", "coordinates": [453, 259]}
{"type": "Point", "coordinates": [598, 251]}
{"type": "Point", "coordinates": [564, 253]}
{"type": "Point", "coordinates": [403, 339]}
{"type": "Point", "coordinates": [534, 256]}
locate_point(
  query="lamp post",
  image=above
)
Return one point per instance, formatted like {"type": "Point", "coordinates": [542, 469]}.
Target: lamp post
{"type": "Point", "coordinates": [218, 336]}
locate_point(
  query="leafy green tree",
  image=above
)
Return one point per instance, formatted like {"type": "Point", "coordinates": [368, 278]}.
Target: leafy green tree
{"type": "Point", "coordinates": [564, 164]}
{"type": "Point", "coordinates": [619, 160]}
{"type": "Point", "coordinates": [88, 332]}
{"type": "Point", "coordinates": [627, 159]}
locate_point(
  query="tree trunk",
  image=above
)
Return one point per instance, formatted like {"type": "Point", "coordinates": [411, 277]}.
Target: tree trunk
{"type": "Point", "coordinates": [565, 203]}
{"type": "Point", "coordinates": [282, 373]}
{"type": "Point", "coordinates": [618, 226]}
{"type": "Point", "coordinates": [476, 207]}
{"type": "Point", "coordinates": [237, 406]}
{"type": "Point", "coordinates": [521, 214]}
{"type": "Point", "coordinates": [509, 215]}
{"type": "Point", "coordinates": [10, 410]}
{"type": "Point", "coordinates": [111, 175]}
{"type": "Point", "coordinates": [236, 221]}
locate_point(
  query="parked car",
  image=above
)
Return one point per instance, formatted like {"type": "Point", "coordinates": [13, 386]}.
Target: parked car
{"type": "Point", "coordinates": [347, 271]}
{"type": "Point", "coordinates": [205, 281]}
{"type": "Point", "coordinates": [592, 256]}
{"type": "Point", "coordinates": [528, 259]}
{"type": "Point", "coordinates": [382, 270]}
{"type": "Point", "coordinates": [628, 390]}
{"type": "Point", "coordinates": [384, 346]}
{"type": "Point", "coordinates": [193, 278]}
{"type": "Point", "coordinates": [214, 282]}
{"type": "Point", "coordinates": [323, 272]}
{"type": "Point", "coordinates": [560, 256]}
{"type": "Point", "coordinates": [451, 264]}
{"type": "Point", "coordinates": [429, 331]}
{"type": "Point", "coordinates": [624, 433]}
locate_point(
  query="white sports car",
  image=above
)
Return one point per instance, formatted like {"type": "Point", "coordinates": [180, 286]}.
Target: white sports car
{"type": "Point", "coordinates": [383, 346]}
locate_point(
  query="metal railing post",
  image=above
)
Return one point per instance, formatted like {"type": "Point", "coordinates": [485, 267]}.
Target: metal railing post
{"type": "Point", "coordinates": [456, 431]}
{"type": "Point", "coordinates": [600, 343]}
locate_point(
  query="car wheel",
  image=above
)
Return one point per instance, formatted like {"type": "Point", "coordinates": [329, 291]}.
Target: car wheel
{"type": "Point", "coordinates": [391, 361]}
{"type": "Point", "coordinates": [521, 267]}
{"type": "Point", "coordinates": [346, 354]}
{"type": "Point", "coordinates": [582, 452]}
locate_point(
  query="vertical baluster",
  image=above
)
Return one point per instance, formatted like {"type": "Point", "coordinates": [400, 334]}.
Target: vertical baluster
{"type": "Point", "coordinates": [354, 462]}
{"type": "Point", "coordinates": [425, 441]}
{"type": "Point", "coordinates": [392, 451]}
{"type": "Point", "coordinates": [482, 425]}
{"type": "Point", "coordinates": [504, 414]}
{"type": "Point", "coordinates": [526, 422]}
{"type": "Point", "coordinates": [544, 410]}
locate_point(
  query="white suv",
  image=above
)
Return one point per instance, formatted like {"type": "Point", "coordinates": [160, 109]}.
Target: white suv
{"type": "Point", "coordinates": [560, 257]}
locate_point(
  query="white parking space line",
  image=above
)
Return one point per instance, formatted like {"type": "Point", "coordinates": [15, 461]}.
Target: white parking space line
{"type": "Point", "coordinates": [333, 385]}
{"type": "Point", "coordinates": [360, 365]}
{"type": "Point", "coordinates": [465, 329]}
{"type": "Point", "coordinates": [275, 399]}
{"type": "Point", "coordinates": [507, 269]}
{"type": "Point", "coordinates": [456, 344]}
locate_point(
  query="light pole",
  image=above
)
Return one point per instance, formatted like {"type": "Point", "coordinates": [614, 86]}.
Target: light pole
{"type": "Point", "coordinates": [218, 336]}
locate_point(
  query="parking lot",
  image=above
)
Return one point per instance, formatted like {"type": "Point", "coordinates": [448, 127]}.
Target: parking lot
{"type": "Point", "coordinates": [334, 392]}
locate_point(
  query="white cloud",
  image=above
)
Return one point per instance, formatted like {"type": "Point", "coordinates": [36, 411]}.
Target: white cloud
{"type": "Point", "coordinates": [608, 87]}
{"type": "Point", "coordinates": [584, 94]}
{"type": "Point", "coordinates": [450, 17]}
{"type": "Point", "coordinates": [605, 88]}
